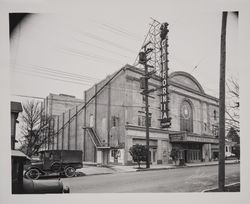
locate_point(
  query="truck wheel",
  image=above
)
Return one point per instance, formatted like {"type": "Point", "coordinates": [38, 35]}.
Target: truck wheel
{"type": "Point", "coordinates": [69, 171]}
{"type": "Point", "coordinates": [33, 174]}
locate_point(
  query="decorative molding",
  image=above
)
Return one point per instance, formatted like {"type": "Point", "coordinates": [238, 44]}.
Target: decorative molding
{"type": "Point", "coordinates": [187, 75]}
{"type": "Point", "coordinates": [192, 97]}
{"type": "Point", "coordinates": [174, 84]}
{"type": "Point", "coordinates": [140, 128]}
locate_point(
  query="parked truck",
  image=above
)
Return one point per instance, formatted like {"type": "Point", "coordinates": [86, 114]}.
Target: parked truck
{"type": "Point", "coordinates": [62, 162]}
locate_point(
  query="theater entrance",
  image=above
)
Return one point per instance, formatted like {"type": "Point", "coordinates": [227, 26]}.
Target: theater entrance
{"type": "Point", "coordinates": [192, 155]}
{"type": "Point", "coordinates": [190, 152]}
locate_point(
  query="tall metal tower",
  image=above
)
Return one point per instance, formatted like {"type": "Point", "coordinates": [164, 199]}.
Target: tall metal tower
{"type": "Point", "coordinates": [155, 57]}
{"type": "Point", "coordinates": [153, 36]}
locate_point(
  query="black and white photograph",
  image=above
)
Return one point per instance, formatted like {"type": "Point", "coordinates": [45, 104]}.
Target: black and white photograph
{"type": "Point", "coordinates": [120, 97]}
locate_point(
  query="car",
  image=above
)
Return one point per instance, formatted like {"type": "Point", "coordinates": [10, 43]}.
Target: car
{"type": "Point", "coordinates": [62, 162]}
{"type": "Point", "coordinates": [21, 185]}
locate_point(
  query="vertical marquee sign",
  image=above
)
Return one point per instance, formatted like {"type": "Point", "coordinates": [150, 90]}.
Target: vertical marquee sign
{"type": "Point", "coordinates": [165, 119]}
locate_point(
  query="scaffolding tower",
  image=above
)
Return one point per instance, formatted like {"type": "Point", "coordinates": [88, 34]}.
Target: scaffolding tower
{"type": "Point", "coordinates": [153, 36]}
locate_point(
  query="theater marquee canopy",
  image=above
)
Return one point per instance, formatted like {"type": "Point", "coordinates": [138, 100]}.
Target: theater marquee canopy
{"type": "Point", "coordinates": [191, 137]}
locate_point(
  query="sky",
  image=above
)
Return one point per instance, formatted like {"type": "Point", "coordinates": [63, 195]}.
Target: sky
{"type": "Point", "coordinates": [69, 52]}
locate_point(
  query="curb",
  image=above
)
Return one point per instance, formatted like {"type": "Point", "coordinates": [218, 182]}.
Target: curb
{"type": "Point", "coordinates": [97, 174]}
{"type": "Point", "coordinates": [211, 189]}
{"type": "Point", "coordinates": [179, 167]}
{"type": "Point", "coordinates": [154, 169]}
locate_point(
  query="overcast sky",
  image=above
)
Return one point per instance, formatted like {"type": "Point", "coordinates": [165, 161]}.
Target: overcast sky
{"type": "Point", "coordinates": [94, 46]}
{"type": "Point", "coordinates": [68, 52]}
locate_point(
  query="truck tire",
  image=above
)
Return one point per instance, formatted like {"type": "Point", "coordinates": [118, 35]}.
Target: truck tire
{"type": "Point", "coordinates": [33, 174]}
{"type": "Point", "coordinates": [69, 171]}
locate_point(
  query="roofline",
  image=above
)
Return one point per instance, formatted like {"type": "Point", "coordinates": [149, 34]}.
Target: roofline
{"type": "Point", "coordinates": [139, 71]}
{"type": "Point", "coordinates": [182, 73]}
{"type": "Point", "coordinates": [158, 78]}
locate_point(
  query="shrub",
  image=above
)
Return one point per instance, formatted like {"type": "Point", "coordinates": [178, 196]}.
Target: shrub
{"type": "Point", "coordinates": [138, 153]}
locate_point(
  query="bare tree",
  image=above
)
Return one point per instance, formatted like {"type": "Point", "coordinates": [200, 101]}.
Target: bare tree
{"type": "Point", "coordinates": [233, 104]}
{"type": "Point", "coordinates": [35, 129]}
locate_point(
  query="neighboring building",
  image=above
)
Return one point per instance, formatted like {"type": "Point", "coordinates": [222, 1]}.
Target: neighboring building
{"type": "Point", "coordinates": [233, 136]}
{"type": "Point", "coordinates": [229, 148]}
{"type": "Point", "coordinates": [55, 106]}
{"type": "Point", "coordinates": [114, 120]}
{"type": "Point", "coordinates": [16, 108]}
{"type": "Point", "coordinates": [232, 139]}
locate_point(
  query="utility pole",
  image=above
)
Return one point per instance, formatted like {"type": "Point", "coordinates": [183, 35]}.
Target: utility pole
{"type": "Point", "coordinates": [143, 60]}
{"type": "Point", "coordinates": [221, 178]}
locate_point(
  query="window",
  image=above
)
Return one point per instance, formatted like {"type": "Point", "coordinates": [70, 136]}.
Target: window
{"type": "Point", "coordinates": [143, 99]}
{"type": "Point", "coordinates": [226, 149]}
{"type": "Point", "coordinates": [115, 121]}
{"type": "Point", "coordinates": [142, 120]}
{"type": "Point", "coordinates": [215, 130]}
{"type": "Point", "coordinates": [215, 115]}
{"type": "Point", "coordinates": [186, 116]}
{"type": "Point", "coordinates": [205, 126]}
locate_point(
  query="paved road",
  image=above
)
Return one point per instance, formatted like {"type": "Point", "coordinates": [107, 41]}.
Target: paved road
{"type": "Point", "coordinates": [193, 179]}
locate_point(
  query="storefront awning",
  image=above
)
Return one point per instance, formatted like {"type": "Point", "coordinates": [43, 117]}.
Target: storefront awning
{"type": "Point", "coordinates": [191, 137]}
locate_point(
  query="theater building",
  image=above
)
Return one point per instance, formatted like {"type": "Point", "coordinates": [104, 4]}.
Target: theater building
{"type": "Point", "coordinates": [112, 119]}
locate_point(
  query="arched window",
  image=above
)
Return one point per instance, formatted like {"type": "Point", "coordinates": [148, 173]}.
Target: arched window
{"type": "Point", "coordinates": [186, 116]}
{"type": "Point", "coordinates": [215, 115]}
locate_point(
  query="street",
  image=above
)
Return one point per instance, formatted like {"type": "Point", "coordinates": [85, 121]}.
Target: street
{"type": "Point", "coordinates": [193, 179]}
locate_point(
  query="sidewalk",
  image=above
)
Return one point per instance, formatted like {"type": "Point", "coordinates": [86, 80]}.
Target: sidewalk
{"type": "Point", "coordinates": [90, 168]}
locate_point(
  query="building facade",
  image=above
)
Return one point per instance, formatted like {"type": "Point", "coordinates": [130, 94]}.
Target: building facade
{"type": "Point", "coordinates": [15, 109]}
{"type": "Point", "coordinates": [59, 107]}
{"type": "Point", "coordinates": [112, 119]}
{"type": "Point", "coordinates": [56, 104]}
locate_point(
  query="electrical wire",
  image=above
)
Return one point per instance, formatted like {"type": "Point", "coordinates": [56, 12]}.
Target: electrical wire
{"type": "Point", "coordinates": [47, 77]}
{"type": "Point", "coordinates": [102, 48]}
{"type": "Point", "coordinates": [44, 73]}
{"type": "Point", "coordinates": [100, 39]}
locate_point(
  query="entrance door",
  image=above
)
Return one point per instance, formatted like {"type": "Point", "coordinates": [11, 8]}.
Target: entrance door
{"type": "Point", "coordinates": [153, 156]}
{"type": "Point", "coordinates": [116, 156]}
{"type": "Point", "coordinates": [194, 156]}
{"type": "Point", "coordinates": [186, 155]}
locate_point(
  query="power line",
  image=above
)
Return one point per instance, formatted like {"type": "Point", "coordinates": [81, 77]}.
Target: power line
{"type": "Point", "coordinates": [102, 48]}
{"type": "Point", "coordinates": [117, 31]}
{"type": "Point", "coordinates": [68, 100]}
{"type": "Point", "coordinates": [66, 73]}
{"type": "Point", "coordinates": [85, 104]}
{"type": "Point", "coordinates": [96, 58]}
{"type": "Point", "coordinates": [51, 70]}
{"type": "Point", "coordinates": [117, 28]}
{"type": "Point", "coordinates": [100, 39]}
{"type": "Point", "coordinates": [53, 74]}
{"type": "Point", "coordinates": [44, 76]}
